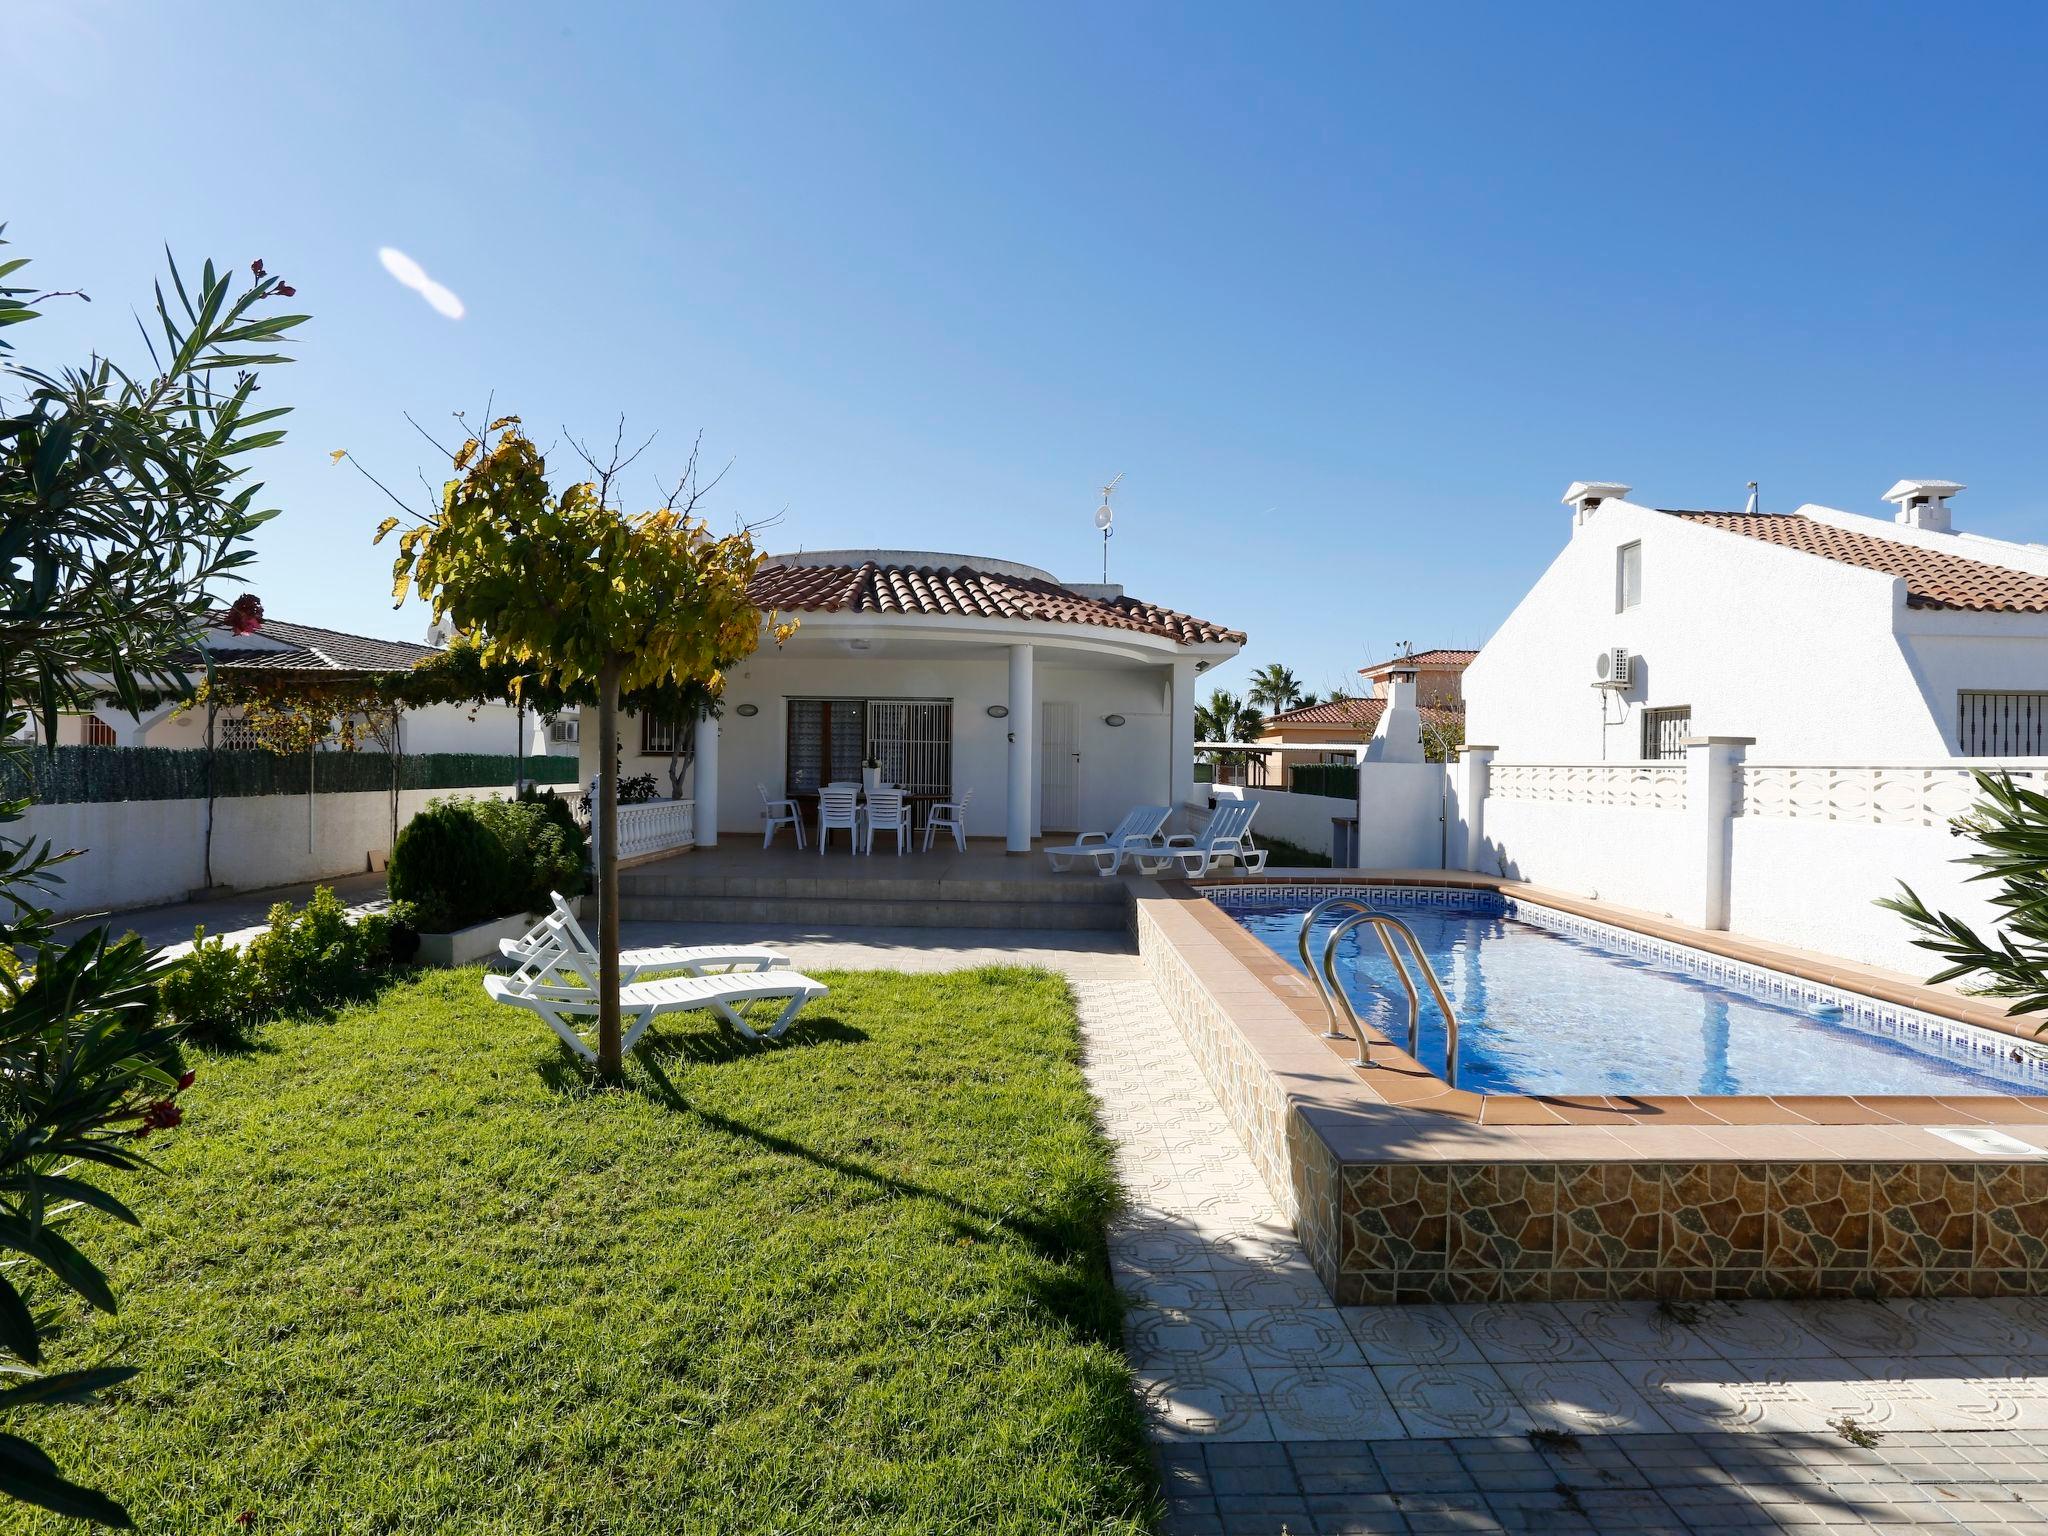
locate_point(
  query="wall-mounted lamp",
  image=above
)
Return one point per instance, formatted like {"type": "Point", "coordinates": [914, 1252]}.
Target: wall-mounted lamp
{"type": "Point", "coordinates": [747, 711]}
{"type": "Point", "coordinates": [999, 711]}
{"type": "Point", "coordinates": [1112, 720]}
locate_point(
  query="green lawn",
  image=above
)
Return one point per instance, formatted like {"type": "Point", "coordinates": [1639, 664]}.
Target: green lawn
{"type": "Point", "coordinates": [406, 1270]}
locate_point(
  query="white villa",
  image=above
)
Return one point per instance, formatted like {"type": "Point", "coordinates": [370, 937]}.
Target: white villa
{"type": "Point", "coordinates": [1821, 635]}
{"type": "Point", "coordinates": [1056, 705]}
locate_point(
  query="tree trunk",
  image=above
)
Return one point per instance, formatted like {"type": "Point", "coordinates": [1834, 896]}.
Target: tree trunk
{"type": "Point", "coordinates": [609, 1061]}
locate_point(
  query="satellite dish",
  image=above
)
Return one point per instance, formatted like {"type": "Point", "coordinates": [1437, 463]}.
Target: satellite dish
{"type": "Point", "coordinates": [1102, 516]}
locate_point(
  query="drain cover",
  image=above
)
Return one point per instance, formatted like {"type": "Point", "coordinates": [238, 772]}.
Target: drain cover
{"type": "Point", "coordinates": [1989, 1143]}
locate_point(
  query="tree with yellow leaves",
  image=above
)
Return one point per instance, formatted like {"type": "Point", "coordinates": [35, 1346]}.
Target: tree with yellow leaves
{"type": "Point", "coordinates": [568, 587]}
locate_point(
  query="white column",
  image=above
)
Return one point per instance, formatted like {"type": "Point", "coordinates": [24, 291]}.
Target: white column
{"type": "Point", "coordinates": [1023, 796]}
{"type": "Point", "coordinates": [1180, 737]}
{"type": "Point", "coordinates": [706, 786]}
{"type": "Point", "coordinates": [1711, 763]}
{"type": "Point", "coordinates": [1475, 766]}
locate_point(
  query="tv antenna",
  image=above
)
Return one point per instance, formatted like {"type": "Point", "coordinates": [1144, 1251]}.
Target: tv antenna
{"type": "Point", "coordinates": [1106, 521]}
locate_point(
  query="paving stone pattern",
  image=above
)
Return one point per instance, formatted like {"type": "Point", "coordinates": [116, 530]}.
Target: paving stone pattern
{"type": "Point", "coordinates": [1273, 1410]}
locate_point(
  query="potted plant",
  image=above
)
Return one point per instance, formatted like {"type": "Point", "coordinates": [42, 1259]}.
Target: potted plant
{"type": "Point", "coordinates": [870, 773]}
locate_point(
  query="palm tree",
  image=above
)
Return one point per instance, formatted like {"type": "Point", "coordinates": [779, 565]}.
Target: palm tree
{"type": "Point", "coordinates": [1275, 687]}
{"type": "Point", "coordinates": [1226, 717]}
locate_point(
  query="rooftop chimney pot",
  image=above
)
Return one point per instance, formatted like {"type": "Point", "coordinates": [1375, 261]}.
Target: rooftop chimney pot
{"type": "Point", "coordinates": [1584, 497]}
{"type": "Point", "coordinates": [1923, 504]}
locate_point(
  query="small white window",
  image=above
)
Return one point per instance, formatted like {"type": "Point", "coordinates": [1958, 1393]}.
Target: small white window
{"type": "Point", "coordinates": [1628, 577]}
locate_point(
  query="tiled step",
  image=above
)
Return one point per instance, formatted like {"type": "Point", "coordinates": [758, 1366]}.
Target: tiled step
{"type": "Point", "coordinates": [664, 882]}
{"type": "Point", "coordinates": [871, 909]}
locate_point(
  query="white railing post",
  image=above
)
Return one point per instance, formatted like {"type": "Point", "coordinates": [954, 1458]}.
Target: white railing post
{"type": "Point", "coordinates": [1712, 768]}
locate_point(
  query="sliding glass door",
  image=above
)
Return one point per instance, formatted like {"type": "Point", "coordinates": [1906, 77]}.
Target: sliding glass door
{"type": "Point", "coordinates": [830, 738]}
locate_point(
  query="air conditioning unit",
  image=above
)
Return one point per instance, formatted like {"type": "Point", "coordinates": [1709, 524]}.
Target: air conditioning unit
{"type": "Point", "coordinates": [1611, 668]}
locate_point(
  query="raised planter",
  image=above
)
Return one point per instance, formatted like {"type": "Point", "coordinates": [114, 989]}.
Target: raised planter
{"type": "Point", "coordinates": [466, 946]}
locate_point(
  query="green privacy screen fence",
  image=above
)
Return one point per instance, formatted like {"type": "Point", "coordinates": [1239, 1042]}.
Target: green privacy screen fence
{"type": "Point", "coordinates": [84, 775]}
{"type": "Point", "coordinates": [1337, 780]}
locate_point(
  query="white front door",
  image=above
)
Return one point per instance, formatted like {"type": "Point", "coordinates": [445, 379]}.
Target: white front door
{"type": "Point", "coordinates": [1059, 768]}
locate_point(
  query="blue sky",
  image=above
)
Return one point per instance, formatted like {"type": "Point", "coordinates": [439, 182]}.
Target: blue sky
{"type": "Point", "coordinates": [1348, 294]}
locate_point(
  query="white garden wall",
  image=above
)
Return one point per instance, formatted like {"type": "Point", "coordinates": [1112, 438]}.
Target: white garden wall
{"type": "Point", "coordinates": [1400, 810]}
{"type": "Point", "coordinates": [1814, 885]}
{"type": "Point", "coordinates": [1303, 820]}
{"type": "Point", "coordinates": [1636, 858]}
{"type": "Point", "coordinates": [141, 853]}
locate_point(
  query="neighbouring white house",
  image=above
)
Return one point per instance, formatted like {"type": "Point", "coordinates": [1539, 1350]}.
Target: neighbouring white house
{"type": "Point", "coordinates": [1056, 705]}
{"type": "Point", "coordinates": [1758, 721]}
{"type": "Point", "coordinates": [1819, 634]}
{"type": "Point", "coordinates": [495, 727]}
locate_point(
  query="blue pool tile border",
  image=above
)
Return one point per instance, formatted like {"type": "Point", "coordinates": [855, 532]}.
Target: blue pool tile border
{"type": "Point", "coordinates": [1983, 1049]}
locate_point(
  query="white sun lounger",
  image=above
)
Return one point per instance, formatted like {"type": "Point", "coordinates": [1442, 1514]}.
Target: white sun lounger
{"type": "Point", "coordinates": [642, 1002]}
{"type": "Point", "coordinates": [1138, 830]}
{"type": "Point", "coordinates": [1228, 836]}
{"type": "Point", "coordinates": [556, 950]}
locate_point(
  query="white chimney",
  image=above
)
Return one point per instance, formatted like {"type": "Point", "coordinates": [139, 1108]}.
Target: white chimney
{"type": "Point", "coordinates": [1584, 497]}
{"type": "Point", "coordinates": [1923, 504]}
{"type": "Point", "coordinates": [1398, 736]}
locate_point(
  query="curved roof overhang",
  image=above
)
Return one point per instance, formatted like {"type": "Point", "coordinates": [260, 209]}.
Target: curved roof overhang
{"type": "Point", "coordinates": [819, 630]}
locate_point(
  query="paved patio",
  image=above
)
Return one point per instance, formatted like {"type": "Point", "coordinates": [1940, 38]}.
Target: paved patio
{"type": "Point", "coordinates": [1272, 1410]}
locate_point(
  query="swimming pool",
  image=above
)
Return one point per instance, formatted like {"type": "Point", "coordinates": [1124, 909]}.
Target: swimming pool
{"type": "Point", "coordinates": [1551, 1003]}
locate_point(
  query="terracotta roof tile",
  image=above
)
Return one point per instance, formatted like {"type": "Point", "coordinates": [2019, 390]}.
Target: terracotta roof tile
{"type": "Point", "coordinates": [964, 591]}
{"type": "Point", "coordinates": [1934, 578]}
{"type": "Point", "coordinates": [1363, 713]}
{"type": "Point", "coordinates": [1437, 657]}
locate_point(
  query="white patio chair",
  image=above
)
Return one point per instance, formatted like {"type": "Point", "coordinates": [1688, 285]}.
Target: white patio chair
{"type": "Point", "coordinates": [642, 1002]}
{"type": "Point", "coordinates": [779, 813]}
{"type": "Point", "coordinates": [1228, 836]}
{"type": "Point", "coordinates": [839, 806]}
{"type": "Point", "coordinates": [948, 816]}
{"type": "Point", "coordinates": [1138, 830]}
{"type": "Point", "coordinates": [887, 811]}
{"type": "Point", "coordinates": [557, 952]}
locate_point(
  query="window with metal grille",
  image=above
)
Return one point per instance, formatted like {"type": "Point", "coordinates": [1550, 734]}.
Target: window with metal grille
{"type": "Point", "coordinates": [658, 737]}
{"type": "Point", "coordinates": [233, 734]}
{"type": "Point", "coordinates": [2001, 724]}
{"type": "Point", "coordinates": [563, 732]}
{"type": "Point", "coordinates": [826, 741]}
{"type": "Point", "coordinates": [97, 732]}
{"type": "Point", "coordinates": [829, 739]}
{"type": "Point", "coordinates": [1665, 731]}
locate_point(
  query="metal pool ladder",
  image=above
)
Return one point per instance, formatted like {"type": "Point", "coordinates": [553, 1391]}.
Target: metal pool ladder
{"type": "Point", "coordinates": [1324, 976]}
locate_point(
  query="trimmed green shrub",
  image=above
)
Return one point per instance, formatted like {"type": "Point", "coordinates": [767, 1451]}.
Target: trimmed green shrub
{"type": "Point", "coordinates": [307, 959]}
{"type": "Point", "coordinates": [452, 867]}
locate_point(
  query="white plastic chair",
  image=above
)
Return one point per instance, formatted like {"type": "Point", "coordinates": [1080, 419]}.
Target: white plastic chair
{"type": "Point", "coordinates": [887, 811]}
{"type": "Point", "coordinates": [1228, 836]}
{"type": "Point", "coordinates": [1134, 835]}
{"type": "Point", "coordinates": [779, 813]}
{"type": "Point", "coordinates": [948, 816]}
{"type": "Point", "coordinates": [839, 806]}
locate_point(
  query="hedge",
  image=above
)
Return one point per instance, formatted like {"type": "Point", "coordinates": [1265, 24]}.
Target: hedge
{"type": "Point", "coordinates": [1339, 781]}
{"type": "Point", "coordinates": [85, 775]}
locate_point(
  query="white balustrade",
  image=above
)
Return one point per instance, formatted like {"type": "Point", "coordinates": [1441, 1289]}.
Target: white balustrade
{"type": "Point", "coordinates": [1650, 786]}
{"type": "Point", "coordinates": [1914, 795]}
{"type": "Point", "coordinates": [653, 826]}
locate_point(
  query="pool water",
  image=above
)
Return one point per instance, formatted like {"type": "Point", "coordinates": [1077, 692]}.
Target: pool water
{"type": "Point", "coordinates": [1542, 1010]}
